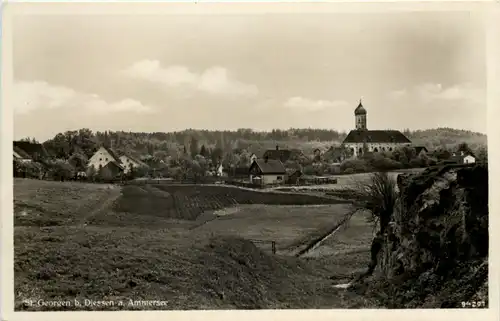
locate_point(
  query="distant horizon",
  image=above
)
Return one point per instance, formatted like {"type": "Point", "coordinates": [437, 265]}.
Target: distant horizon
{"type": "Point", "coordinates": [253, 130]}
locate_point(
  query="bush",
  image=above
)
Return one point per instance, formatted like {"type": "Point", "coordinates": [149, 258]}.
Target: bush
{"type": "Point", "coordinates": [381, 163]}
{"type": "Point", "coordinates": [61, 170]}
{"type": "Point", "coordinates": [356, 166]}
{"type": "Point", "coordinates": [27, 169]}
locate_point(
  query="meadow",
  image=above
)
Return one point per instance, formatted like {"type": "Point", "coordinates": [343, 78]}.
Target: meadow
{"type": "Point", "coordinates": [195, 247]}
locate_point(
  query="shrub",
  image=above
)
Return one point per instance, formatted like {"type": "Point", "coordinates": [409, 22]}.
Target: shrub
{"type": "Point", "coordinates": [357, 166]}
{"type": "Point", "coordinates": [379, 196]}
{"type": "Point", "coordinates": [381, 163]}
{"type": "Point", "coordinates": [349, 170]}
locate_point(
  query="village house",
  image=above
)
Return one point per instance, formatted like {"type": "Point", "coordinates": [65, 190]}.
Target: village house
{"type": "Point", "coordinates": [267, 172]}
{"type": "Point", "coordinates": [106, 162]}
{"type": "Point", "coordinates": [420, 150]}
{"type": "Point", "coordinates": [335, 154]}
{"type": "Point", "coordinates": [20, 155]}
{"type": "Point", "coordinates": [220, 170]}
{"type": "Point", "coordinates": [293, 176]}
{"type": "Point", "coordinates": [361, 139]}
{"type": "Point", "coordinates": [463, 158]}
{"type": "Point", "coordinates": [128, 162]}
{"type": "Point", "coordinates": [27, 150]}
{"type": "Point", "coordinates": [282, 155]}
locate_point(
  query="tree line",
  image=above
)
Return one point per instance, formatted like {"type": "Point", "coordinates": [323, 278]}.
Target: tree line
{"type": "Point", "coordinates": [196, 151]}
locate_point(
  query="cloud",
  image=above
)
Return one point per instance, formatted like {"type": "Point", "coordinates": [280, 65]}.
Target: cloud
{"type": "Point", "coordinates": [432, 92]}
{"type": "Point", "coordinates": [305, 104]}
{"type": "Point", "coordinates": [396, 94]}
{"type": "Point", "coordinates": [35, 95]}
{"type": "Point", "coordinates": [215, 80]}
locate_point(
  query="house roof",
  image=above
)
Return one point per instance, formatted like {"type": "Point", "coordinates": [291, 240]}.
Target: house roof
{"type": "Point", "coordinates": [21, 153]}
{"type": "Point", "coordinates": [112, 153]}
{"type": "Point", "coordinates": [419, 149]}
{"type": "Point", "coordinates": [278, 154]}
{"type": "Point", "coordinates": [114, 163]}
{"type": "Point", "coordinates": [376, 136]}
{"type": "Point", "coordinates": [271, 166]}
{"type": "Point", "coordinates": [138, 161]}
{"type": "Point", "coordinates": [32, 148]}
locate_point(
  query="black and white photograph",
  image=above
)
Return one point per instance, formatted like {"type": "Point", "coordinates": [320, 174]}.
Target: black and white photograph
{"type": "Point", "coordinates": [212, 158]}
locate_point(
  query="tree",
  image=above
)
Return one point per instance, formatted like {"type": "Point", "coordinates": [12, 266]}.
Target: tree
{"type": "Point", "coordinates": [203, 151]}
{"type": "Point", "coordinates": [482, 155]}
{"type": "Point", "coordinates": [91, 173]}
{"type": "Point", "coordinates": [138, 171]}
{"type": "Point", "coordinates": [463, 147]}
{"type": "Point", "coordinates": [193, 146]}
{"type": "Point", "coordinates": [62, 170]}
{"type": "Point", "coordinates": [78, 161]}
{"type": "Point", "coordinates": [216, 155]}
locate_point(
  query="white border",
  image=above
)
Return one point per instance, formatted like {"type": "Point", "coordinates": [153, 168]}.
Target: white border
{"type": "Point", "coordinates": [204, 7]}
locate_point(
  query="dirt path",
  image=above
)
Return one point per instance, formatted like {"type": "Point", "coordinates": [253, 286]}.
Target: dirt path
{"type": "Point", "coordinates": [101, 207]}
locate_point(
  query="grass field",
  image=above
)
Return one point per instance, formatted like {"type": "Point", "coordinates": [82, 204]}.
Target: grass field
{"type": "Point", "coordinates": [102, 242]}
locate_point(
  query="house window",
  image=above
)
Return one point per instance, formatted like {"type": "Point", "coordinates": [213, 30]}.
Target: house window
{"type": "Point", "coordinates": [100, 159]}
{"type": "Point", "coordinates": [106, 159]}
{"type": "Point", "coordinates": [280, 178]}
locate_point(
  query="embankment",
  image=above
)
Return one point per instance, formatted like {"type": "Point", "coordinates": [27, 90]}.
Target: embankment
{"type": "Point", "coordinates": [435, 253]}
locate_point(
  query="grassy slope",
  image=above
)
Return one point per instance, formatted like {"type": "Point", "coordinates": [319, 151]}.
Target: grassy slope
{"type": "Point", "coordinates": [140, 255]}
{"type": "Point", "coordinates": [288, 226]}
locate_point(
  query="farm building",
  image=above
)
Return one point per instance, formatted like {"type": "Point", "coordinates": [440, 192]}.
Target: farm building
{"type": "Point", "coordinates": [361, 138]}
{"type": "Point", "coordinates": [111, 170]}
{"type": "Point", "coordinates": [335, 154]}
{"type": "Point", "coordinates": [104, 156]}
{"type": "Point", "coordinates": [463, 158]}
{"type": "Point", "coordinates": [267, 172]}
{"type": "Point", "coordinates": [128, 162]}
{"type": "Point", "coordinates": [419, 150]}
{"type": "Point", "coordinates": [282, 155]}
{"type": "Point", "coordinates": [294, 176]}
{"type": "Point", "coordinates": [21, 155]}
{"type": "Point", "coordinates": [34, 151]}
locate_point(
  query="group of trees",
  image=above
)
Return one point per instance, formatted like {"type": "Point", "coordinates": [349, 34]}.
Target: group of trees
{"type": "Point", "coordinates": [194, 152]}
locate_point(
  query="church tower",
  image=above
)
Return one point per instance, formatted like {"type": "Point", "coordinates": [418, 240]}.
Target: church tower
{"type": "Point", "coordinates": [360, 117]}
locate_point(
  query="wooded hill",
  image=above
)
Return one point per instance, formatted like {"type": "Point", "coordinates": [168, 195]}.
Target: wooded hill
{"type": "Point", "coordinates": [192, 142]}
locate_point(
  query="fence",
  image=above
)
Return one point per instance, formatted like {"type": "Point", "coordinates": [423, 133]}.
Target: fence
{"type": "Point", "coordinates": [273, 244]}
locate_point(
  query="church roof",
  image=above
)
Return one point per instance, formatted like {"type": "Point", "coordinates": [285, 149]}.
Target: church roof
{"type": "Point", "coordinates": [376, 136]}
{"type": "Point", "coordinates": [360, 110]}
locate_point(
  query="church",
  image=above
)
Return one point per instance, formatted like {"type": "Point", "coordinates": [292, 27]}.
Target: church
{"type": "Point", "coordinates": [375, 140]}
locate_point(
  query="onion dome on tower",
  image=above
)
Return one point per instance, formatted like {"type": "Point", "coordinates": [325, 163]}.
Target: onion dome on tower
{"type": "Point", "coordinates": [360, 110]}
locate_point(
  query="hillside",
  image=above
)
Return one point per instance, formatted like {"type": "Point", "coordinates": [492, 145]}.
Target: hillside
{"type": "Point", "coordinates": [208, 143]}
{"type": "Point", "coordinates": [77, 241]}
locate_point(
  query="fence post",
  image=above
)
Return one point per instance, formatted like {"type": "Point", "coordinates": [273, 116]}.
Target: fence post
{"type": "Point", "coordinates": [273, 244]}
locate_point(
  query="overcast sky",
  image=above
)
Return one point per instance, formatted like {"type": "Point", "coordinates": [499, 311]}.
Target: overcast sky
{"type": "Point", "coordinates": [165, 73]}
